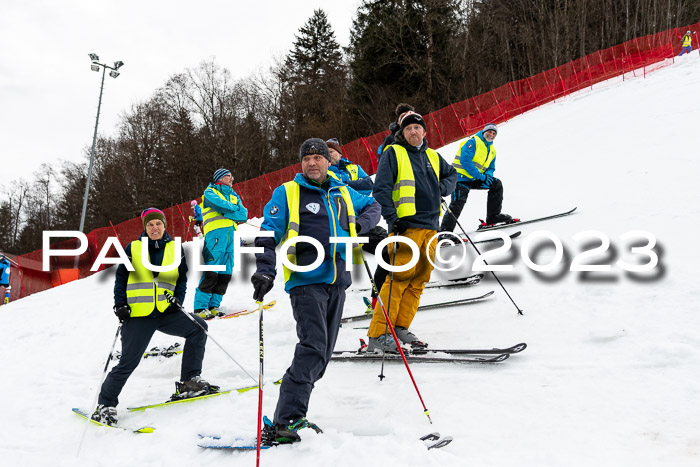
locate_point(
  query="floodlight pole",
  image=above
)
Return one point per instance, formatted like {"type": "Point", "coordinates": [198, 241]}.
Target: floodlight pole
{"type": "Point", "coordinates": [114, 74]}
{"type": "Point", "coordinates": [92, 153]}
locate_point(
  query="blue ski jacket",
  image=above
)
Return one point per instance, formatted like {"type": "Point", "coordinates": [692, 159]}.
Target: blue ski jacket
{"type": "Point", "coordinates": [319, 217]}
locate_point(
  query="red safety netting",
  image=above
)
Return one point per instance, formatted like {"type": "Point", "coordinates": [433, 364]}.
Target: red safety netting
{"type": "Point", "coordinates": [636, 57]}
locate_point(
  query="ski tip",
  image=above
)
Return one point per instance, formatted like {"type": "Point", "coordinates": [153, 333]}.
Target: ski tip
{"type": "Point", "coordinates": [441, 443]}
{"type": "Point", "coordinates": [430, 437]}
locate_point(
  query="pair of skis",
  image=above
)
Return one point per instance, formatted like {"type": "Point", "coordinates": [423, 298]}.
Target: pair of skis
{"type": "Point", "coordinates": [424, 355]}
{"type": "Point", "coordinates": [516, 222]}
{"type": "Point", "coordinates": [431, 441]}
{"type": "Point", "coordinates": [148, 429]}
{"type": "Point", "coordinates": [458, 282]}
{"type": "Point", "coordinates": [432, 306]}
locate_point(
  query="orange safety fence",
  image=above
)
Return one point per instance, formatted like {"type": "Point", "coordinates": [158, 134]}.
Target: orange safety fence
{"type": "Point", "coordinates": [456, 121]}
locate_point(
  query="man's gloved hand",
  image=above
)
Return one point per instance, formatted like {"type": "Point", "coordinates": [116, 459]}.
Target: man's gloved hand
{"type": "Point", "coordinates": [488, 180]}
{"type": "Point", "coordinates": [399, 227]}
{"type": "Point", "coordinates": [123, 312]}
{"type": "Point", "coordinates": [263, 284]}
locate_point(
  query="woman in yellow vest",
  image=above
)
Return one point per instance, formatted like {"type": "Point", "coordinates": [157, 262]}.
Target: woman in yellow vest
{"type": "Point", "coordinates": [686, 45]}
{"type": "Point", "coordinates": [475, 163]}
{"type": "Point", "coordinates": [141, 307]}
{"type": "Point", "coordinates": [410, 183]}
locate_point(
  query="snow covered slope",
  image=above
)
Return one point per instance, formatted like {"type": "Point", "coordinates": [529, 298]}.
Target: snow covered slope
{"type": "Point", "coordinates": [610, 376]}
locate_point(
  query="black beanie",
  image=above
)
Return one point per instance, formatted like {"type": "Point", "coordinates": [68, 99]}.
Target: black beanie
{"type": "Point", "coordinates": [314, 146]}
{"type": "Point", "coordinates": [411, 117]}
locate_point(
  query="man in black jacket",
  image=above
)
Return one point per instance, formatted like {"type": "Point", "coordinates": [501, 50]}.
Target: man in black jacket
{"type": "Point", "coordinates": [410, 183]}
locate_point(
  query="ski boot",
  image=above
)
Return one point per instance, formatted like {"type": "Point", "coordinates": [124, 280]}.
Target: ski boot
{"type": "Point", "coordinates": [497, 219]}
{"type": "Point", "coordinates": [105, 415]}
{"type": "Point", "coordinates": [214, 312]}
{"type": "Point", "coordinates": [285, 434]}
{"type": "Point", "coordinates": [407, 337]}
{"type": "Point", "coordinates": [381, 344]}
{"type": "Point", "coordinates": [194, 387]}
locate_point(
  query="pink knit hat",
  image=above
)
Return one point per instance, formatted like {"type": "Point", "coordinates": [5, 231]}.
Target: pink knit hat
{"type": "Point", "coordinates": [149, 214]}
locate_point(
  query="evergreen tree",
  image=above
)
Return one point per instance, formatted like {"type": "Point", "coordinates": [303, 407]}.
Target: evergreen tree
{"type": "Point", "coordinates": [401, 50]}
{"type": "Point", "coordinates": [313, 79]}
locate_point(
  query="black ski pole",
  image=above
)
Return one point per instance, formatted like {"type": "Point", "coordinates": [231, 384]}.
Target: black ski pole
{"type": "Point", "coordinates": [396, 339]}
{"type": "Point", "coordinates": [386, 327]}
{"type": "Point", "coordinates": [171, 299]}
{"type": "Point", "coordinates": [447, 208]}
{"type": "Point", "coordinates": [99, 386]}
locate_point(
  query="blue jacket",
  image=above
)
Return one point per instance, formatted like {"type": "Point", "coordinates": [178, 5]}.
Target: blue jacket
{"type": "Point", "coordinates": [197, 211]}
{"type": "Point", "coordinates": [5, 272]}
{"type": "Point", "coordinates": [388, 139]}
{"type": "Point", "coordinates": [429, 191]}
{"type": "Point", "coordinates": [318, 220]}
{"type": "Point", "coordinates": [235, 212]}
{"type": "Point", "coordinates": [362, 185]}
{"type": "Point", "coordinates": [156, 250]}
{"type": "Point", "coordinates": [467, 154]}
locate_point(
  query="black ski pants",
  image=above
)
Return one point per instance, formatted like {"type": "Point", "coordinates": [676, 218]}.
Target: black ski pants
{"type": "Point", "coordinates": [137, 333]}
{"type": "Point", "coordinates": [494, 201]}
{"type": "Point", "coordinates": [317, 309]}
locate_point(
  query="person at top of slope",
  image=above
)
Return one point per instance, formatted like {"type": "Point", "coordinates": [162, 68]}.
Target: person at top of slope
{"type": "Point", "coordinates": [475, 163]}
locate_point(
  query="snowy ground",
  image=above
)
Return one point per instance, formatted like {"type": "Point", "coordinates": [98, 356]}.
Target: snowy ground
{"type": "Point", "coordinates": [609, 377]}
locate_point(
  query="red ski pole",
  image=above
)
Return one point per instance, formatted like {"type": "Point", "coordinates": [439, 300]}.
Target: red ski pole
{"type": "Point", "coordinates": [396, 339]}
{"type": "Point", "coordinates": [260, 383]}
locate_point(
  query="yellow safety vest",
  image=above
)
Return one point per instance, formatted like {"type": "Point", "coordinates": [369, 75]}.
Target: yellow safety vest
{"type": "Point", "coordinates": [687, 40]}
{"type": "Point", "coordinates": [212, 219]}
{"type": "Point", "coordinates": [293, 200]}
{"type": "Point", "coordinates": [404, 194]}
{"type": "Point", "coordinates": [353, 171]}
{"type": "Point", "coordinates": [482, 157]}
{"type": "Point", "coordinates": [143, 292]}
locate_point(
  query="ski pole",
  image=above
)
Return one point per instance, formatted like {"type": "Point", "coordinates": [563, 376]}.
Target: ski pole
{"type": "Point", "coordinates": [99, 385]}
{"type": "Point", "coordinates": [260, 382]}
{"type": "Point", "coordinates": [171, 299]}
{"type": "Point", "coordinates": [396, 339]}
{"type": "Point", "coordinates": [386, 327]}
{"type": "Point", "coordinates": [447, 208]}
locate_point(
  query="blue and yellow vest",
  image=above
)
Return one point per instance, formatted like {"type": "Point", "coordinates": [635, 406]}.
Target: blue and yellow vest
{"type": "Point", "coordinates": [482, 157]}
{"type": "Point", "coordinates": [212, 219]}
{"type": "Point", "coordinates": [293, 196]}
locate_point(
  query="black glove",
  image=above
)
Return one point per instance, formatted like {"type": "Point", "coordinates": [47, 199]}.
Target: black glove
{"type": "Point", "coordinates": [263, 284]}
{"type": "Point", "coordinates": [123, 312]}
{"type": "Point", "coordinates": [172, 299]}
{"type": "Point", "coordinates": [175, 304]}
{"type": "Point", "coordinates": [488, 180]}
{"type": "Point", "coordinates": [399, 227]}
